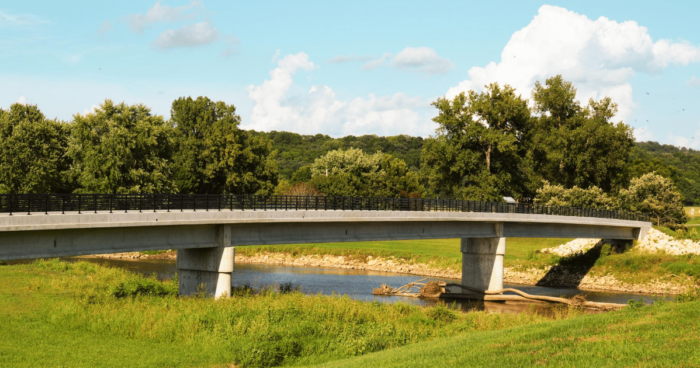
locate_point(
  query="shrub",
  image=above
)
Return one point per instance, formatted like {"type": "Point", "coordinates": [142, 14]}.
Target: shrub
{"type": "Point", "coordinates": [557, 195]}
{"type": "Point", "coordinates": [657, 196]}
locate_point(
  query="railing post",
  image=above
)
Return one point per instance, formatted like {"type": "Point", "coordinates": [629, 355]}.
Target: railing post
{"type": "Point", "coordinates": [110, 202]}
{"type": "Point", "coordinates": [29, 204]}
{"type": "Point", "coordinates": [194, 204]}
{"type": "Point", "coordinates": [79, 203]}
{"type": "Point", "coordinates": [94, 202]}
{"type": "Point", "coordinates": [63, 205]}
{"type": "Point", "coordinates": [167, 199]}
{"type": "Point", "coordinates": [46, 204]}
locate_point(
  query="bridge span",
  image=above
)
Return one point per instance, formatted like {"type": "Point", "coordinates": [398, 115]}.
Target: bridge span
{"type": "Point", "coordinates": [205, 238]}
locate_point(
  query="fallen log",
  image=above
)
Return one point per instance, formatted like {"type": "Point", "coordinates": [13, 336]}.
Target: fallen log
{"type": "Point", "coordinates": [496, 295]}
{"type": "Point", "coordinates": [435, 289]}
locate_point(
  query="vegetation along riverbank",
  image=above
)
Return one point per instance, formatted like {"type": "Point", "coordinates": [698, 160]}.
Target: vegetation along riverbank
{"type": "Point", "coordinates": [82, 314]}
{"type": "Point", "coordinates": [658, 265]}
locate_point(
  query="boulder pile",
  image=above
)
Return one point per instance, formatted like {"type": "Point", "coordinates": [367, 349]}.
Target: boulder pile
{"type": "Point", "coordinates": [656, 241]}
{"type": "Point", "coordinates": [572, 247]}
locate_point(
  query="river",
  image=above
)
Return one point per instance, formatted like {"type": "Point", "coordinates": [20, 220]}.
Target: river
{"type": "Point", "coordinates": [358, 284]}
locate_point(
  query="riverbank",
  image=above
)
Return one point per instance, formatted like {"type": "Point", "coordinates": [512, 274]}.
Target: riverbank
{"type": "Point", "coordinates": [80, 314]}
{"type": "Point", "coordinates": [76, 314]}
{"type": "Point", "coordinates": [658, 265]}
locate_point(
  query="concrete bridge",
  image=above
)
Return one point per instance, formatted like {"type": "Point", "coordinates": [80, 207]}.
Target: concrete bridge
{"type": "Point", "coordinates": [205, 239]}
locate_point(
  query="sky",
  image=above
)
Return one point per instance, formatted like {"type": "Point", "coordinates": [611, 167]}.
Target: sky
{"type": "Point", "coordinates": [352, 67]}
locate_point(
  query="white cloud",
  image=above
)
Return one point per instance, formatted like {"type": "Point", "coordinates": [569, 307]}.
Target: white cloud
{"type": "Point", "coordinates": [421, 60]}
{"type": "Point", "coordinates": [162, 13]}
{"type": "Point", "coordinates": [232, 44]}
{"type": "Point", "coordinates": [693, 81]}
{"type": "Point", "coordinates": [105, 27]}
{"type": "Point", "coordinates": [276, 56]}
{"type": "Point", "coordinates": [348, 59]}
{"type": "Point", "coordinates": [22, 100]}
{"type": "Point", "coordinates": [378, 62]}
{"type": "Point", "coordinates": [599, 56]}
{"type": "Point", "coordinates": [7, 19]}
{"type": "Point", "coordinates": [319, 111]}
{"type": "Point", "coordinates": [643, 134]}
{"type": "Point", "coordinates": [91, 110]}
{"type": "Point", "coordinates": [187, 36]}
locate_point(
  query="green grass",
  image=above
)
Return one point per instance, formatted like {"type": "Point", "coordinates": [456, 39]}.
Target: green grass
{"type": "Point", "coordinates": [439, 253]}
{"type": "Point", "coordinates": [82, 315]}
{"type": "Point", "coordinates": [666, 335]}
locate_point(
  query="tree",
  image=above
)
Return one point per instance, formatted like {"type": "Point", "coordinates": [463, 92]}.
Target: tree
{"type": "Point", "coordinates": [657, 196]}
{"type": "Point", "coordinates": [479, 147]}
{"type": "Point", "coordinates": [32, 152]}
{"type": "Point", "coordinates": [120, 149]}
{"type": "Point", "coordinates": [214, 156]}
{"type": "Point", "coordinates": [576, 146]}
{"type": "Point", "coordinates": [354, 173]}
{"type": "Point", "coordinates": [557, 195]}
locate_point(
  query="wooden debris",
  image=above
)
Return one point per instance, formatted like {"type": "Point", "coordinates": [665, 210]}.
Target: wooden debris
{"type": "Point", "coordinates": [438, 289]}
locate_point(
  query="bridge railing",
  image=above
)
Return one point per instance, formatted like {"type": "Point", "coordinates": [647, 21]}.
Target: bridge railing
{"type": "Point", "coordinates": [45, 203]}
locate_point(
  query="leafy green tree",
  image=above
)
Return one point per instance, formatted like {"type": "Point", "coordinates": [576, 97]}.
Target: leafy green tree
{"type": "Point", "coordinates": [576, 146]}
{"type": "Point", "coordinates": [32, 152]}
{"type": "Point", "coordinates": [657, 196]}
{"type": "Point", "coordinates": [478, 151]}
{"type": "Point", "coordinates": [592, 197]}
{"type": "Point", "coordinates": [214, 156]}
{"type": "Point", "coordinates": [354, 173]}
{"type": "Point", "coordinates": [120, 149]}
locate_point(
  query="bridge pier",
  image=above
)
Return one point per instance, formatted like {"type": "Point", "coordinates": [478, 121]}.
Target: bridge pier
{"type": "Point", "coordinates": [482, 264]}
{"type": "Point", "coordinates": [207, 270]}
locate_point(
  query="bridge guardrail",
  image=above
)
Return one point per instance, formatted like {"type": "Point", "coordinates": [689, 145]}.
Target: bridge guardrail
{"type": "Point", "coordinates": [45, 203]}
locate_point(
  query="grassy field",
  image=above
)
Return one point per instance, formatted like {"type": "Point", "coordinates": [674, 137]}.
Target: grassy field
{"type": "Point", "coordinates": [655, 336]}
{"type": "Point", "coordinates": [440, 253]}
{"type": "Point", "coordinates": [84, 315]}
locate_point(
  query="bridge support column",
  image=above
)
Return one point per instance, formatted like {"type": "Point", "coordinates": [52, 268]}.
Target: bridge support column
{"type": "Point", "coordinates": [482, 263]}
{"type": "Point", "coordinates": [207, 270]}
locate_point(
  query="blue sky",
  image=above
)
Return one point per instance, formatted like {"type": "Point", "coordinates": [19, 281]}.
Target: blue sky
{"type": "Point", "coordinates": [355, 67]}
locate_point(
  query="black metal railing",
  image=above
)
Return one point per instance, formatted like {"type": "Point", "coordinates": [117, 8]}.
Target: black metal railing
{"type": "Point", "coordinates": [45, 203]}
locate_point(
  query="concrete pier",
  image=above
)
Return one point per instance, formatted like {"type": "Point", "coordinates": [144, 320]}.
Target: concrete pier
{"type": "Point", "coordinates": [207, 270]}
{"type": "Point", "coordinates": [482, 263]}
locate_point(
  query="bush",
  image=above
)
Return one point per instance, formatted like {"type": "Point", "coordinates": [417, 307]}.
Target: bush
{"type": "Point", "coordinates": [136, 285]}
{"type": "Point", "coordinates": [657, 196]}
{"type": "Point", "coordinates": [557, 195]}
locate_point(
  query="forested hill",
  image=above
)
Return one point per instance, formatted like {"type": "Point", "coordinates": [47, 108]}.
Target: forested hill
{"type": "Point", "coordinates": [682, 165]}
{"type": "Point", "coordinates": [296, 150]}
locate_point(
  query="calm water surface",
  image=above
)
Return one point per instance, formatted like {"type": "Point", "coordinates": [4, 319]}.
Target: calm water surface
{"type": "Point", "coordinates": [358, 284]}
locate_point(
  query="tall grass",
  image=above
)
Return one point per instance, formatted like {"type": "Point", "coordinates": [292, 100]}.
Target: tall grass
{"type": "Point", "coordinates": [252, 329]}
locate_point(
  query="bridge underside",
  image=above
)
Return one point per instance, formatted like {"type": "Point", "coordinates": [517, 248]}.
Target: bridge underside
{"type": "Point", "coordinates": [71, 242]}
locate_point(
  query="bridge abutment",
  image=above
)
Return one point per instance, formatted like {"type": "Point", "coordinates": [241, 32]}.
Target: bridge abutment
{"type": "Point", "coordinates": [207, 270]}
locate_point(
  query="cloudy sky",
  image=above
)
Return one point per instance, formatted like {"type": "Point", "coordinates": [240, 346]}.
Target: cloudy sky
{"type": "Point", "coordinates": [355, 67]}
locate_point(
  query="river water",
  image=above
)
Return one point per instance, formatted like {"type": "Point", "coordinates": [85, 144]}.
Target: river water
{"type": "Point", "coordinates": [358, 284]}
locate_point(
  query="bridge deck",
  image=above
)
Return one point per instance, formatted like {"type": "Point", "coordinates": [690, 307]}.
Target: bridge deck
{"type": "Point", "coordinates": [49, 235]}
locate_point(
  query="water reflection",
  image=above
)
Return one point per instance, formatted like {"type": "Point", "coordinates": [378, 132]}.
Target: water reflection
{"type": "Point", "coordinates": [358, 284]}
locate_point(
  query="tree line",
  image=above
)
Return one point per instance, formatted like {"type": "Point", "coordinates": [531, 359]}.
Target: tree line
{"type": "Point", "coordinates": [488, 145]}
{"type": "Point", "coordinates": [122, 148]}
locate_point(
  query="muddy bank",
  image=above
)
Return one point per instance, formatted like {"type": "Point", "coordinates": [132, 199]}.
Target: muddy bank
{"type": "Point", "coordinates": [512, 275]}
